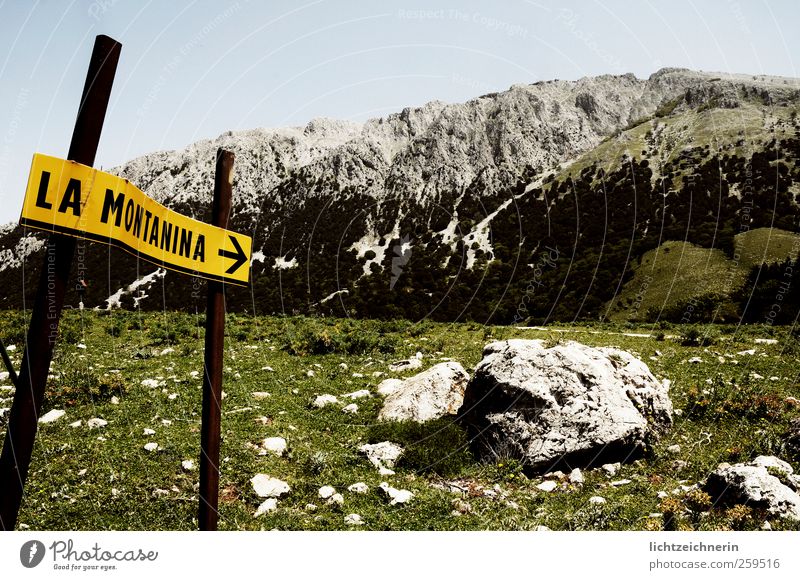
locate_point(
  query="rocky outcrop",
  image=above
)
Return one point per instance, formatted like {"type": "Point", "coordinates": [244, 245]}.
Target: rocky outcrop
{"type": "Point", "coordinates": [766, 483]}
{"type": "Point", "coordinates": [569, 405]}
{"type": "Point", "coordinates": [431, 394]}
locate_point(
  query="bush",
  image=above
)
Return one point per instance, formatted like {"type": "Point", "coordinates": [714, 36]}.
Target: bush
{"type": "Point", "coordinates": [439, 446]}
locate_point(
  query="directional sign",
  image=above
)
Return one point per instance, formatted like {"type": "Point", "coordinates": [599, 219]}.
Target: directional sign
{"type": "Point", "coordinates": [80, 201]}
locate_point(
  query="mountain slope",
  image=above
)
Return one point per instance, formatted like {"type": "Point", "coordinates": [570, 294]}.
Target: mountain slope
{"type": "Point", "coordinates": [534, 202]}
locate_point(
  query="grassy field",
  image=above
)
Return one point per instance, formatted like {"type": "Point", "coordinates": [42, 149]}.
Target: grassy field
{"type": "Point", "coordinates": [732, 407]}
{"type": "Point", "coordinates": [679, 271]}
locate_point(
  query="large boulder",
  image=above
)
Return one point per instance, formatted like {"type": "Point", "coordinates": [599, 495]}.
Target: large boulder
{"type": "Point", "coordinates": [566, 406]}
{"type": "Point", "coordinates": [431, 394]}
{"type": "Point", "coordinates": [765, 483]}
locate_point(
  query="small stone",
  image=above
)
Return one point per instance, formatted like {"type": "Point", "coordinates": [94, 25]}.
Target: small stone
{"type": "Point", "coordinates": [268, 369]}
{"type": "Point", "coordinates": [166, 351]}
{"type": "Point", "coordinates": [620, 482]}
{"type": "Point", "coordinates": [311, 374]}
{"type": "Point", "coordinates": [151, 383]}
{"type": "Point", "coordinates": [674, 449]}
{"type": "Point", "coordinates": [52, 415]}
{"type": "Point", "coordinates": [266, 486]}
{"type": "Point", "coordinates": [358, 375]}
{"type": "Point", "coordinates": [310, 507]}
{"type": "Point", "coordinates": [336, 499]}
{"type": "Point", "coordinates": [695, 360]}
{"type": "Point", "coordinates": [166, 422]}
{"type": "Point", "coordinates": [325, 400]}
{"type": "Point", "coordinates": [188, 464]}
{"type": "Point", "coordinates": [353, 520]}
{"type": "Point", "coordinates": [396, 495]}
{"type": "Point", "coordinates": [662, 494]}
{"type": "Point", "coordinates": [269, 505]}
{"type": "Point", "coordinates": [359, 487]}
{"type": "Point", "coordinates": [151, 446]}
{"type": "Point", "coordinates": [275, 445]}
{"type": "Point", "coordinates": [357, 394]}
{"type": "Point", "coordinates": [597, 500]}
{"type": "Point", "coordinates": [541, 528]}
{"type": "Point", "coordinates": [385, 471]}
{"type": "Point", "coordinates": [115, 400]}
{"type": "Point", "coordinates": [350, 409]}
{"type": "Point", "coordinates": [547, 486]}
{"type": "Point", "coordinates": [382, 455]}
{"type": "Point", "coordinates": [82, 472]}
{"type": "Point", "coordinates": [77, 423]}
{"type": "Point", "coordinates": [326, 491]}
{"type": "Point", "coordinates": [148, 431]}
{"type": "Point", "coordinates": [96, 423]}
{"type": "Point", "coordinates": [576, 477]}
{"type": "Point", "coordinates": [611, 468]}
{"type": "Point", "coordinates": [260, 395]}
{"type": "Point", "coordinates": [173, 396]}
{"type": "Point", "coordinates": [766, 526]}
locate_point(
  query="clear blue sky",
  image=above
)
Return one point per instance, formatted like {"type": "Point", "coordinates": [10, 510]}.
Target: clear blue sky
{"type": "Point", "coordinates": [194, 69]}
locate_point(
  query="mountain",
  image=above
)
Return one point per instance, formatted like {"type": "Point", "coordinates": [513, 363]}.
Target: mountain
{"type": "Point", "coordinates": [538, 203]}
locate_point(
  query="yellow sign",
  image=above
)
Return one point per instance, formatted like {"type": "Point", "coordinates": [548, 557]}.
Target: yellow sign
{"type": "Point", "coordinates": [80, 201]}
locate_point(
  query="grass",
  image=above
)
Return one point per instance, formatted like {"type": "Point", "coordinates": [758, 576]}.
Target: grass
{"type": "Point", "coordinates": [103, 478]}
{"type": "Point", "coordinates": [676, 272]}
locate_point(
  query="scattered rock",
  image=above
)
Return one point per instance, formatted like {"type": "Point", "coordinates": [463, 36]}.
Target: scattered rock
{"type": "Point", "coordinates": [188, 464]}
{"type": "Point", "coordinates": [311, 374]}
{"type": "Point", "coordinates": [674, 449]}
{"type": "Point", "coordinates": [569, 403]}
{"type": "Point", "coordinates": [310, 507]}
{"type": "Point", "coordinates": [396, 495]}
{"type": "Point", "coordinates": [382, 455]}
{"type": "Point", "coordinates": [96, 423]}
{"type": "Point", "coordinates": [541, 528]}
{"type": "Point", "coordinates": [350, 409]}
{"type": "Point", "coordinates": [389, 386]}
{"type": "Point", "coordinates": [153, 383]}
{"type": "Point", "coordinates": [275, 445]}
{"type": "Point", "coordinates": [269, 505]}
{"type": "Point", "coordinates": [326, 492]}
{"type": "Point", "coordinates": [266, 486]}
{"type": "Point", "coordinates": [115, 400]}
{"type": "Point", "coordinates": [325, 400]}
{"type": "Point", "coordinates": [576, 477]}
{"type": "Point", "coordinates": [611, 468]}
{"type": "Point", "coordinates": [357, 394]}
{"type": "Point", "coordinates": [359, 487]}
{"type": "Point", "coordinates": [335, 499]}
{"type": "Point", "coordinates": [260, 394]}
{"type": "Point", "coordinates": [409, 364]}
{"type": "Point", "coordinates": [148, 431]}
{"type": "Point", "coordinates": [76, 424]}
{"type": "Point", "coordinates": [620, 482]}
{"type": "Point", "coordinates": [695, 360]}
{"type": "Point", "coordinates": [353, 520]}
{"type": "Point", "coordinates": [597, 500]}
{"type": "Point", "coordinates": [151, 447]}
{"type": "Point", "coordinates": [547, 486]}
{"type": "Point", "coordinates": [434, 393]}
{"type": "Point", "coordinates": [755, 485]}
{"type": "Point", "coordinates": [52, 415]}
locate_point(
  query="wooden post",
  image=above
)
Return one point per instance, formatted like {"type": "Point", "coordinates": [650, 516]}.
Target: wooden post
{"type": "Point", "coordinates": [208, 515]}
{"type": "Point", "coordinates": [43, 330]}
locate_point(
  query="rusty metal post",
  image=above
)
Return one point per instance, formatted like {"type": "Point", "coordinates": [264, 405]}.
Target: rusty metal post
{"type": "Point", "coordinates": [43, 329]}
{"type": "Point", "coordinates": [208, 514]}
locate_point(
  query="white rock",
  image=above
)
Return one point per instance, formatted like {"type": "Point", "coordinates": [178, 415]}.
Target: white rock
{"type": "Point", "coordinates": [269, 505]}
{"type": "Point", "coordinates": [751, 351]}
{"type": "Point", "coordinates": [166, 351]}
{"type": "Point", "coordinates": [52, 415]}
{"type": "Point", "coordinates": [147, 431]}
{"type": "Point", "coordinates": [275, 445]}
{"type": "Point", "coordinates": [396, 495]}
{"type": "Point", "coordinates": [188, 464]}
{"type": "Point", "coordinates": [674, 449]}
{"type": "Point", "coordinates": [358, 375]}
{"type": "Point", "coordinates": [310, 373]}
{"type": "Point", "coordinates": [597, 500]}
{"type": "Point", "coordinates": [310, 507]}
{"type": "Point", "coordinates": [336, 499]}
{"type": "Point", "coordinates": [151, 446]}
{"type": "Point", "coordinates": [357, 394]}
{"type": "Point", "coordinates": [166, 422]}
{"type": "Point", "coordinates": [194, 374]}
{"type": "Point", "coordinates": [385, 471]}
{"type": "Point", "coordinates": [115, 400]}
{"type": "Point", "coordinates": [326, 491]}
{"type": "Point", "coordinates": [766, 341]}
{"type": "Point", "coordinates": [351, 409]}
{"type": "Point", "coordinates": [541, 528]}
{"type": "Point", "coordinates": [382, 455]}
{"type": "Point", "coordinates": [80, 345]}
{"type": "Point", "coordinates": [76, 424]}
{"type": "Point", "coordinates": [547, 486]}
{"type": "Point", "coordinates": [268, 369]}
{"type": "Point", "coordinates": [266, 486]}
{"type": "Point", "coordinates": [96, 423]}
{"type": "Point", "coordinates": [151, 383]}
{"type": "Point", "coordinates": [695, 360]}
{"type": "Point", "coordinates": [325, 400]}
{"type": "Point", "coordinates": [405, 365]}
{"type": "Point", "coordinates": [620, 482]}
{"type": "Point", "coordinates": [662, 494]}
{"type": "Point", "coordinates": [353, 520]}
{"type": "Point", "coordinates": [389, 386]}
{"type": "Point", "coordinates": [12, 348]}
{"type": "Point", "coordinates": [343, 366]}
{"type": "Point", "coordinates": [359, 487]}
{"type": "Point", "coordinates": [431, 394]}
{"type": "Point", "coordinates": [611, 468]}
{"type": "Point", "coordinates": [260, 395]}
{"type": "Point", "coordinates": [576, 477]}
{"type": "Point", "coordinates": [173, 396]}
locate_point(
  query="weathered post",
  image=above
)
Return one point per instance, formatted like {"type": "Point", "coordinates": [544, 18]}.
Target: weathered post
{"type": "Point", "coordinates": [43, 329]}
{"type": "Point", "coordinates": [208, 515]}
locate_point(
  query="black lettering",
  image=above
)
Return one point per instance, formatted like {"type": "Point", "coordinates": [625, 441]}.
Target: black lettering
{"type": "Point", "coordinates": [41, 196]}
{"type": "Point", "coordinates": [186, 243]}
{"type": "Point", "coordinates": [153, 240]}
{"type": "Point", "coordinates": [200, 248]}
{"type": "Point", "coordinates": [166, 235]}
{"type": "Point", "coordinates": [175, 240]}
{"type": "Point", "coordinates": [146, 223]}
{"type": "Point", "coordinates": [129, 215]}
{"type": "Point", "coordinates": [72, 198]}
{"type": "Point", "coordinates": [137, 221]}
{"type": "Point", "coordinates": [114, 206]}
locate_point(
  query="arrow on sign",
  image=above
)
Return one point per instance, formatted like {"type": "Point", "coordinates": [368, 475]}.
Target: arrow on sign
{"type": "Point", "coordinates": [238, 255]}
